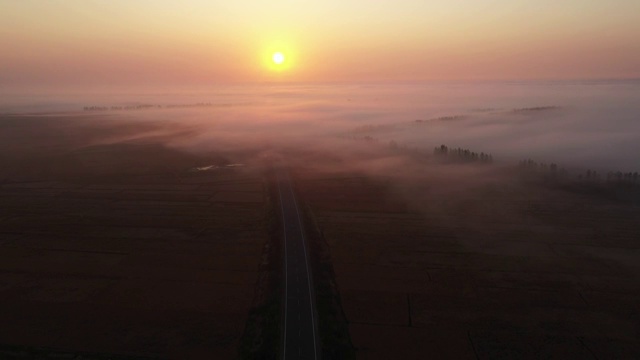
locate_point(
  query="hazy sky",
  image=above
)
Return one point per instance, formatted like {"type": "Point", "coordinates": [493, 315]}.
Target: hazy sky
{"type": "Point", "coordinates": [149, 42]}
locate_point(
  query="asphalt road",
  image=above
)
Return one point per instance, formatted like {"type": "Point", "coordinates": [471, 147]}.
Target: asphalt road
{"type": "Point", "coordinates": [300, 335]}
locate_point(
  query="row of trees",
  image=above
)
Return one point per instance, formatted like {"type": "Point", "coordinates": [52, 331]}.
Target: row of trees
{"type": "Point", "coordinates": [462, 155]}
{"type": "Point", "coordinates": [537, 108]}
{"type": "Point", "coordinates": [548, 171]}
{"type": "Point", "coordinates": [611, 176]}
{"type": "Point", "coordinates": [96, 108]}
{"type": "Point", "coordinates": [190, 105]}
{"type": "Point", "coordinates": [144, 107]}
{"type": "Point", "coordinates": [529, 166]}
{"type": "Point", "coordinates": [116, 108]}
{"type": "Point", "coordinates": [442, 118]}
{"type": "Point", "coordinates": [626, 177]}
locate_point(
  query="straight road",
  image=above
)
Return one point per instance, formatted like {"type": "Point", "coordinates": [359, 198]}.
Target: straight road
{"type": "Point", "coordinates": [300, 335]}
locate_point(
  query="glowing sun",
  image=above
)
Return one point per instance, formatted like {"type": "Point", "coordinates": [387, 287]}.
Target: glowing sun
{"type": "Point", "coordinates": [278, 58]}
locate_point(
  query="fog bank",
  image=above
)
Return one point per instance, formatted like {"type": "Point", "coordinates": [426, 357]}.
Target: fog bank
{"type": "Point", "coordinates": [588, 124]}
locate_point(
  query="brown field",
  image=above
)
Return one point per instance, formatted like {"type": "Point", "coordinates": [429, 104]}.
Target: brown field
{"type": "Point", "coordinates": [117, 248]}
{"type": "Point", "coordinates": [111, 243]}
{"type": "Point", "coordinates": [445, 262]}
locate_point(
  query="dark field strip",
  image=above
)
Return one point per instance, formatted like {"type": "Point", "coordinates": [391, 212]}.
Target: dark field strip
{"type": "Point", "coordinates": [158, 271]}
{"type": "Point", "coordinates": [475, 277]}
{"type": "Point", "coordinates": [9, 352]}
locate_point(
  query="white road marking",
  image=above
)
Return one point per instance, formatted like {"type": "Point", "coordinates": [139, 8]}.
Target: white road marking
{"type": "Point", "coordinates": [295, 259]}
{"type": "Point", "coordinates": [313, 321]}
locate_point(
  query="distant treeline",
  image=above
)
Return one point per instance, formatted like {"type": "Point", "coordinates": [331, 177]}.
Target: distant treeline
{"type": "Point", "coordinates": [530, 166]}
{"type": "Point", "coordinates": [543, 168]}
{"type": "Point", "coordinates": [627, 177]}
{"type": "Point", "coordinates": [442, 118]}
{"type": "Point", "coordinates": [442, 152]}
{"type": "Point", "coordinates": [462, 155]}
{"type": "Point", "coordinates": [144, 107]}
{"type": "Point", "coordinates": [530, 169]}
{"type": "Point", "coordinates": [537, 108]}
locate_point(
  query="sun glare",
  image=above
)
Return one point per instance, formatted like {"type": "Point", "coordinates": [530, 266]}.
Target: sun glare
{"type": "Point", "coordinates": [278, 58]}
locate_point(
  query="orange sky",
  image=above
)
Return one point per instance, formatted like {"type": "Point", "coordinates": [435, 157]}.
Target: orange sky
{"type": "Point", "coordinates": [149, 42]}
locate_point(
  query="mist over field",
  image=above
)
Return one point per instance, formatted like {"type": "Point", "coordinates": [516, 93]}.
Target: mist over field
{"type": "Point", "coordinates": [575, 124]}
{"type": "Point", "coordinates": [337, 179]}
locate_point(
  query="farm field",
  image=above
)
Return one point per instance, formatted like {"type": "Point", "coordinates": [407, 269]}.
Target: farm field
{"type": "Point", "coordinates": [499, 269]}
{"type": "Point", "coordinates": [116, 244]}
{"type": "Point", "coordinates": [118, 248]}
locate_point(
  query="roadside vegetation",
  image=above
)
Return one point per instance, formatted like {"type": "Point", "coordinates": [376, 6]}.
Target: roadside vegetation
{"type": "Point", "coordinates": [332, 322]}
{"type": "Point", "coordinates": [261, 337]}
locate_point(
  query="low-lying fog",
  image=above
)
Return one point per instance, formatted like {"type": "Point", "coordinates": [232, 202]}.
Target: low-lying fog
{"type": "Point", "coordinates": [576, 124]}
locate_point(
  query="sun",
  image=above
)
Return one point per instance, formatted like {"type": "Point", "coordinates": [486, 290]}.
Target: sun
{"type": "Point", "coordinates": [278, 58]}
